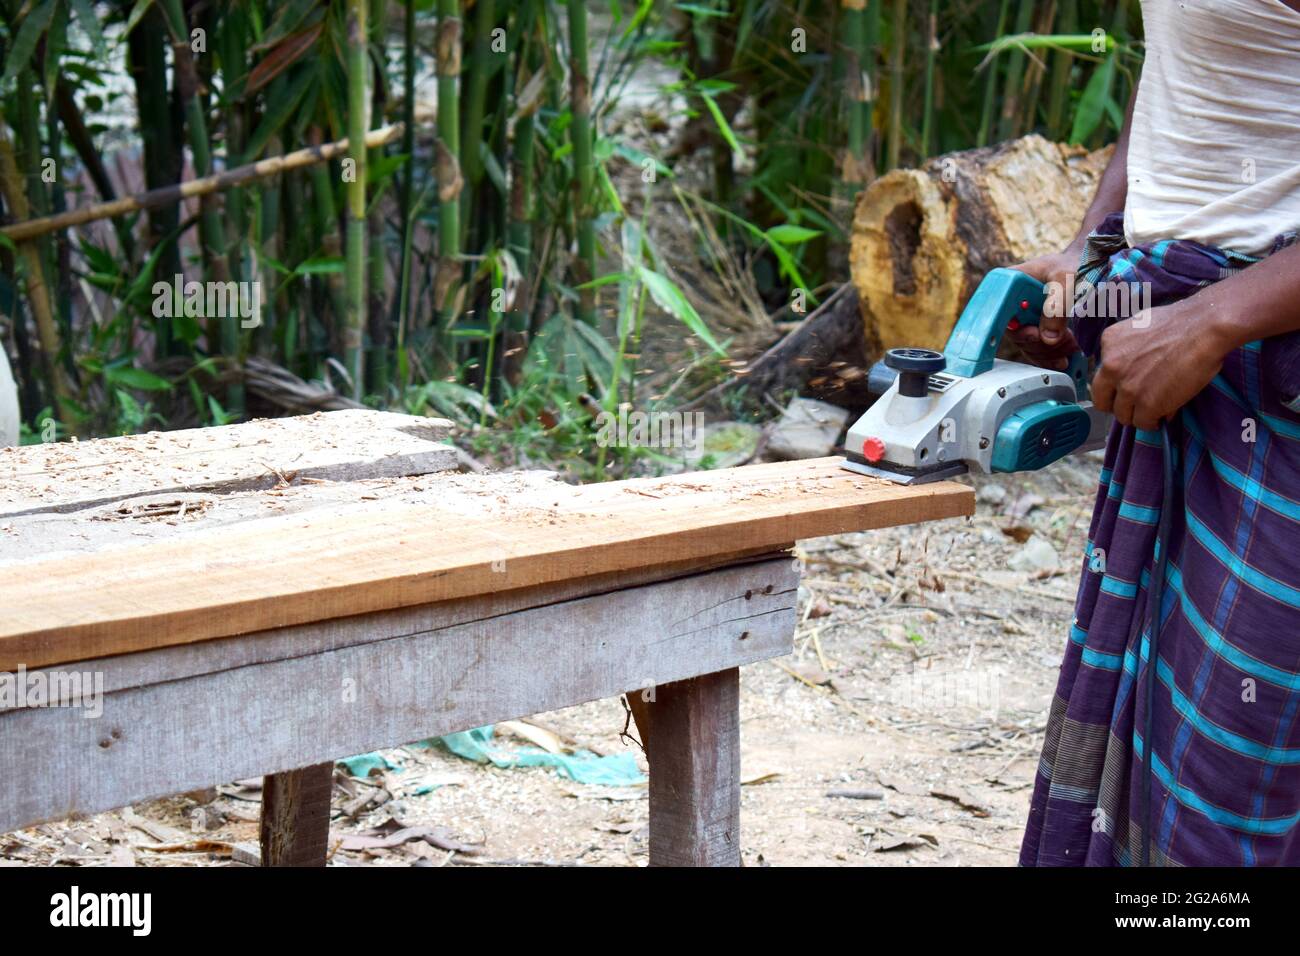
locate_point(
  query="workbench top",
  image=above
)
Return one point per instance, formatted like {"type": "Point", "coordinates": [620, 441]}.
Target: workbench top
{"type": "Point", "coordinates": [128, 544]}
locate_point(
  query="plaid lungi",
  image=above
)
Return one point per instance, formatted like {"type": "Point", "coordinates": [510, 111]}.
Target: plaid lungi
{"type": "Point", "coordinates": [1226, 735]}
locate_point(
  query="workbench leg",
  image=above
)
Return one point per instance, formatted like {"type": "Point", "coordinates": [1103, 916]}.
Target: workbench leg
{"type": "Point", "coordinates": [296, 816]}
{"type": "Point", "coordinates": [691, 733]}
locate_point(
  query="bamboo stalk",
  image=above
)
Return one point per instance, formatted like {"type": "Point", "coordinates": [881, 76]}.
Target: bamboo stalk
{"type": "Point", "coordinates": [475, 87]}
{"type": "Point", "coordinates": [407, 196]}
{"type": "Point", "coordinates": [1011, 93]}
{"type": "Point", "coordinates": [294, 342]}
{"type": "Point", "coordinates": [1032, 86]}
{"type": "Point", "coordinates": [147, 64]}
{"type": "Point", "coordinates": [991, 82]}
{"type": "Point", "coordinates": [899, 39]}
{"type": "Point", "coordinates": [580, 131]}
{"type": "Point", "coordinates": [326, 221]}
{"type": "Point", "coordinates": [931, 48]}
{"type": "Point", "coordinates": [187, 87]}
{"type": "Point", "coordinates": [169, 195]}
{"type": "Point", "coordinates": [1062, 62]}
{"type": "Point", "coordinates": [28, 154]}
{"type": "Point", "coordinates": [448, 172]}
{"type": "Point", "coordinates": [224, 329]}
{"type": "Point", "coordinates": [867, 59]}
{"type": "Point", "coordinates": [520, 231]}
{"type": "Point", "coordinates": [377, 318]}
{"type": "Point", "coordinates": [38, 293]}
{"type": "Point", "coordinates": [358, 121]}
{"type": "Point", "coordinates": [857, 54]}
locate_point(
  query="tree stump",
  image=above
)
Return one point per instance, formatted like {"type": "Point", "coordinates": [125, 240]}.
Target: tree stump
{"type": "Point", "coordinates": [924, 238]}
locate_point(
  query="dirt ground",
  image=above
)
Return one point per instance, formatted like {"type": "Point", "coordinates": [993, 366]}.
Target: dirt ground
{"type": "Point", "coordinates": [903, 731]}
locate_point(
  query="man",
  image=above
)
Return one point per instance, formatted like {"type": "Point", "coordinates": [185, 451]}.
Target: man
{"type": "Point", "coordinates": [1207, 173]}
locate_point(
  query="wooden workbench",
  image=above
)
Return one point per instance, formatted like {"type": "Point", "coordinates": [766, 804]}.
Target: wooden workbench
{"type": "Point", "coordinates": [262, 599]}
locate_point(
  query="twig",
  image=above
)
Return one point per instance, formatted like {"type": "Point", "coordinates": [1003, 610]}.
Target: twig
{"type": "Point", "coordinates": [219, 182]}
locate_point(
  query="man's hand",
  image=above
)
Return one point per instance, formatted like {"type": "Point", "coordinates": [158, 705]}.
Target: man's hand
{"type": "Point", "coordinates": [1155, 363]}
{"type": "Point", "coordinates": [1050, 343]}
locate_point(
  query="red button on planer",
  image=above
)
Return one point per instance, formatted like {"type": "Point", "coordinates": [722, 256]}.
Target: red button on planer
{"type": "Point", "coordinates": [873, 449]}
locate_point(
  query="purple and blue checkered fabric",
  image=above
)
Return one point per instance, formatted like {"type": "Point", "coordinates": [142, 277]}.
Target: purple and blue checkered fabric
{"type": "Point", "coordinates": [1226, 739]}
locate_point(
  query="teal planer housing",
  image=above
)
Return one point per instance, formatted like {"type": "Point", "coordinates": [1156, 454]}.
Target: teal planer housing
{"type": "Point", "coordinates": [1037, 434]}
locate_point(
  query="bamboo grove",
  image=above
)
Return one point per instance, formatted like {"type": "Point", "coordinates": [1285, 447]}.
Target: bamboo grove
{"type": "Point", "coordinates": [436, 202]}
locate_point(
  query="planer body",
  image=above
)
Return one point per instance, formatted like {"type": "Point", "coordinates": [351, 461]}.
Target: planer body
{"type": "Point", "coordinates": [942, 414]}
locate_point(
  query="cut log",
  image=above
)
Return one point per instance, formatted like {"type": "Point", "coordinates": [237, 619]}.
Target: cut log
{"type": "Point", "coordinates": [923, 238]}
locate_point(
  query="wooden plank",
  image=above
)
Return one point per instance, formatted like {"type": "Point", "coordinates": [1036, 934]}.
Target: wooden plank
{"type": "Point", "coordinates": [341, 446]}
{"type": "Point", "coordinates": [179, 661]}
{"type": "Point", "coordinates": [693, 745]}
{"type": "Point", "coordinates": [480, 537]}
{"type": "Point", "coordinates": [295, 824]}
{"type": "Point", "coordinates": [173, 516]}
{"type": "Point", "coordinates": [237, 721]}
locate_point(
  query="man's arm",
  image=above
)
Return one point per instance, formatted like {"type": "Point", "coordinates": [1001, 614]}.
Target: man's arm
{"type": "Point", "coordinates": [1051, 344]}
{"type": "Point", "coordinates": [1155, 363]}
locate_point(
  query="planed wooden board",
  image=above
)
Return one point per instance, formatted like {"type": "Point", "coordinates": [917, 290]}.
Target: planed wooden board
{"type": "Point", "coordinates": [478, 538]}
{"type": "Point", "coordinates": [392, 680]}
{"type": "Point", "coordinates": [342, 446]}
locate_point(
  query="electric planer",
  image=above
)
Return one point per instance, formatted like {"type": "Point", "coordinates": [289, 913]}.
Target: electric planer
{"type": "Point", "coordinates": [941, 414]}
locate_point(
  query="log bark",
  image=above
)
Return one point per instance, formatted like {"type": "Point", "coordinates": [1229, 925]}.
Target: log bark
{"type": "Point", "coordinates": [924, 238]}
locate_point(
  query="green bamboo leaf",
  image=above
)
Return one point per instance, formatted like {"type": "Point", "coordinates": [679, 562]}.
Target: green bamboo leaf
{"type": "Point", "coordinates": [288, 19]}
{"type": "Point", "coordinates": [325, 265]}
{"type": "Point", "coordinates": [596, 354]}
{"type": "Point", "coordinates": [673, 301]}
{"type": "Point", "coordinates": [789, 268]}
{"type": "Point", "coordinates": [1074, 42]}
{"type": "Point", "coordinates": [611, 193]}
{"type": "Point", "coordinates": [450, 398]}
{"type": "Point", "coordinates": [1115, 112]}
{"type": "Point", "coordinates": [712, 87]}
{"type": "Point", "coordinates": [56, 41]}
{"type": "Point", "coordinates": [88, 22]}
{"type": "Point", "coordinates": [723, 126]}
{"type": "Point", "coordinates": [137, 14]}
{"type": "Point", "coordinates": [610, 279]}
{"type": "Point", "coordinates": [1092, 105]}
{"type": "Point", "coordinates": [33, 26]}
{"type": "Point", "coordinates": [638, 158]}
{"type": "Point", "coordinates": [130, 377]}
{"type": "Point", "coordinates": [696, 9]}
{"type": "Point", "coordinates": [379, 171]}
{"type": "Point", "coordinates": [219, 415]}
{"type": "Point", "coordinates": [642, 11]}
{"type": "Point", "coordinates": [493, 168]}
{"type": "Point", "coordinates": [144, 278]}
{"type": "Point", "coordinates": [789, 234]}
{"type": "Point", "coordinates": [278, 111]}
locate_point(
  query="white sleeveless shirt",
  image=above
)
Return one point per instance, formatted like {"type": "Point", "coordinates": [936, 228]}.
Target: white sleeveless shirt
{"type": "Point", "coordinates": [1214, 153]}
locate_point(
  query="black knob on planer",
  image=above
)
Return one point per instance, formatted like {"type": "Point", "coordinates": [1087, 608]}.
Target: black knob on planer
{"type": "Point", "coordinates": [914, 368]}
